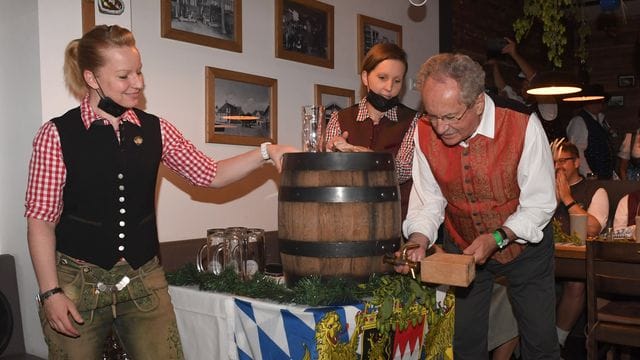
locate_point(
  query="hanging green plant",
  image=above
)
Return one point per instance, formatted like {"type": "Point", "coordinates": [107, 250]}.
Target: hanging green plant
{"type": "Point", "coordinates": [553, 15]}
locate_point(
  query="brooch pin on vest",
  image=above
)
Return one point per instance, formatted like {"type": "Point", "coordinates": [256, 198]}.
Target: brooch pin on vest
{"type": "Point", "coordinates": [138, 140]}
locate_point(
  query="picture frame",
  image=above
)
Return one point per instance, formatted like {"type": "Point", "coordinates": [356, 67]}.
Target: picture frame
{"type": "Point", "coordinates": [203, 24]}
{"type": "Point", "coordinates": [241, 109]}
{"type": "Point", "coordinates": [88, 15]}
{"type": "Point", "coordinates": [616, 101]}
{"type": "Point", "coordinates": [626, 81]}
{"type": "Point", "coordinates": [372, 31]}
{"type": "Point", "coordinates": [304, 32]}
{"type": "Point", "coordinates": [333, 99]}
{"type": "Point", "coordinates": [111, 12]}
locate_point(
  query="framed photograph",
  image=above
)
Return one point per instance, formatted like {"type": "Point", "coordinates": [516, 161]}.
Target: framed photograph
{"type": "Point", "coordinates": [616, 101]}
{"type": "Point", "coordinates": [372, 31]}
{"type": "Point", "coordinates": [111, 12]}
{"type": "Point", "coordinates": [333, 99]}
{"type": "Point", "coordinates": [241, 109]}
{"type": "Point", "coordinates": [626, 81]}
{"type": "Point", "coordinates": [304, 31]}
{"type": "Point", "coordinates": [216, 24]}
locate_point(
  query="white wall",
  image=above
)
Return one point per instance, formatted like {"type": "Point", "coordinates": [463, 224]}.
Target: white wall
{"type": "Point", "coordinates": [20, 113]}
{"type": "Point", "coordinates": [174, 74]}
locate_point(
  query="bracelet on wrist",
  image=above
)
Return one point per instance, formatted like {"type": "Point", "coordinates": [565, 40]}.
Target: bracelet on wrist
{"type": "Point", "coordinates": [501, 238]}
{"type": "Point", "coordinates": [505, 237]}
{"type": "Point", "coordinates": [264, 152]}
{"type": "Point", "coordinates": [570, 205]}
{"type": "Point", "coordinates": [49, 293]}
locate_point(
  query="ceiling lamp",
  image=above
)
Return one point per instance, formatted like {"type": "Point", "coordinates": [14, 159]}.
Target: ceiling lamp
{"type": "Point", "coordinates": [594, 92]}
{"type": "Point", "coordinates": [417, 2]}
{"type": "Point", "coordinates": [553, 83]}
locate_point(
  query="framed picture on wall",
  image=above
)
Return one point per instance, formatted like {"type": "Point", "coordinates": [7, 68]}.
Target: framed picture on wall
{"type": "Point", "coordinates": [216, 24]}
{"type": "Point", "coordinates": [616, 101]}
{"type": "Point", "coordinates": [626, 81]}
{"type": "Point", "coordinates": [333, 99]}
{"type": "Point", "coordinates": [240, 108]}
{"type": "Point", "coordinates": [111, 12]}
{"type": "Point", "coordinates": [372, 31]}
{"type": "Point", "coordinates": [304, 31]}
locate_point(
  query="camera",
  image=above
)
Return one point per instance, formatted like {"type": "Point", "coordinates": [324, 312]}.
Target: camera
{"type": "Point", "coordinates": [495, 46]}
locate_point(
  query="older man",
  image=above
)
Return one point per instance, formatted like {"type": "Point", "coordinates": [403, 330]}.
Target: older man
{"type": "Point", "coordinates": [487, 173]}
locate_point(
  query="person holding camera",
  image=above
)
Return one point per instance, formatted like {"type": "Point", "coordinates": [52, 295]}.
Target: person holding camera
{"type": "Point", "coordinates": [546, 107]}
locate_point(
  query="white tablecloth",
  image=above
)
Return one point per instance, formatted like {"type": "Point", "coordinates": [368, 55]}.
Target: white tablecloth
{"type": "Point", "coordinates": [221, 326]}
{"type": "Point", "coordinates": [206, 323]}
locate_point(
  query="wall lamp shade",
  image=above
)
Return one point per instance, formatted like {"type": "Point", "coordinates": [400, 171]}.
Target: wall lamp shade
{"type": "Point", "coordinates": [553, 83]}
{"type": "Point", "coordinates": [593, 92]}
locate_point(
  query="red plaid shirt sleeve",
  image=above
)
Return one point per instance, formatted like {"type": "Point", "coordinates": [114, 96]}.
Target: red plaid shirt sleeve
{"type": "Point", "coordinates": [181, 156]}
{"type": "Point", "coordinates": [404, 157]}
{"type": "Point", "coordinates": [47, 174]}
{"type": "Point", "coordinates": [333, 127]}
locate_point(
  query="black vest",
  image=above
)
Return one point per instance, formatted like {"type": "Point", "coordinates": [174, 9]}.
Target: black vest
{"type": "Point", "coordinates": [109, 194]}
{"type": "Point", "coordinates": [598, 152]}
{"type": "Point", "coordinates": [582, 193]}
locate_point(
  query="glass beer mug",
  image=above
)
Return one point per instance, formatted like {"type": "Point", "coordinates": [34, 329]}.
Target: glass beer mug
{"type": "Point", "coordinates": [313, 128]}
{"type": "Point", "coordinates": [254, 258]}
{"type": "Point", "coordinates": [206, 260]}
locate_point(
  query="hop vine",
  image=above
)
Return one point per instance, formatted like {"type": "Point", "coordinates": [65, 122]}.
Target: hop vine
{"type": "Point", "coordinates": [553, 15]}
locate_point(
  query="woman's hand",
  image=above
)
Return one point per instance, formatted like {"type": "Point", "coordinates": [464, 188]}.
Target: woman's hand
{"type": "Point", "coordinates": [276, 152]}
{"type": "Point", "coordinates": [339, 143]}
{"type": "Point", "coordinates": [57, 309]}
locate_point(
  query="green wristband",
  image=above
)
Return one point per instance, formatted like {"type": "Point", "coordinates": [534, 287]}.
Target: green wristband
{"type": "Point", "coordinates": [499, 240]}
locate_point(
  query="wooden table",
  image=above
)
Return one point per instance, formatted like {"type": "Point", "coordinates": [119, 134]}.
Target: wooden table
{"type": "Point", "coordinates": [570, 261]}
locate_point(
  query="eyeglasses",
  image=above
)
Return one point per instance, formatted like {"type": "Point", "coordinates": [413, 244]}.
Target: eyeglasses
{"type": "Point", "coordinates": [561, 161]}
{"type": "Point", "coordinates": [446, 119]}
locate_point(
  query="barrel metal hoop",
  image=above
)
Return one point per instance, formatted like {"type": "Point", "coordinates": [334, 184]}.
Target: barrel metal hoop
{"type": "Point", "coordinates": [339, 249]}
{"type": "Point", "coordinates": [372, 161]}
{"type": "Point", "coordinates": [338, 194]}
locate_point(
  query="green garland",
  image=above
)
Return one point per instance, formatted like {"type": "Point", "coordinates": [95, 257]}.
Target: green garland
{"type": "Point", "coordinates": [560, 236]}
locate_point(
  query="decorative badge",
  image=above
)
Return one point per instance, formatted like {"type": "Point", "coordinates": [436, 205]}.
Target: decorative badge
{"type": "Point", "coordinates": [138, 140]}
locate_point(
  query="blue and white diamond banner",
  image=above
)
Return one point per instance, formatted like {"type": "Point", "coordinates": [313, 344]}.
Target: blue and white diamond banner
{"type": "Point", "coordinates": [268, 331]}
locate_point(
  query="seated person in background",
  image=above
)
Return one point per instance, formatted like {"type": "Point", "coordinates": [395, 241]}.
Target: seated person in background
{"type": "Point", "coordinates": [591, 133]}
{"type": "Point", "coordinates": [379, 122]}
{"type": "Point", "coordinates": [629, 155]}
{"type": "Point", "coordinates": [625, 220]}
{"type": "Point", "coordinates": [575, 196]}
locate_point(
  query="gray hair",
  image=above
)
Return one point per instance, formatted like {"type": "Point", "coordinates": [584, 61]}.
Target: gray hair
{"type": "Point", "coordinates": [468, 73]}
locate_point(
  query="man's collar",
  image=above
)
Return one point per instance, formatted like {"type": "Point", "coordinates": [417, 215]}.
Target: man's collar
{"type": "Point", "coordinates": [487, 126]}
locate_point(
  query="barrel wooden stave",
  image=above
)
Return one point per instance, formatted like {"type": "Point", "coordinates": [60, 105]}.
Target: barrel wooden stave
{"type": "Point", "coordinates": [328, 222]}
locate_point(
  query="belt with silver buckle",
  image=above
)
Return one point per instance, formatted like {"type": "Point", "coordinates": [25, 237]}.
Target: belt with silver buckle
{"type": "Point", "coordinates": [102, 287]}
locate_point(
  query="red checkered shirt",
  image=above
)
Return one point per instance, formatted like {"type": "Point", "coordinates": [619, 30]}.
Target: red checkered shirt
{"type": "Point", "coordinates": [404, 157]}
{"type": "Point", "coordinates": [47, 171]}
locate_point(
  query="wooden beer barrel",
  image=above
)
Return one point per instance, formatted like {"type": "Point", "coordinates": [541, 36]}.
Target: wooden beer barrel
{"type": "Point", "coordinates": [338, 214]}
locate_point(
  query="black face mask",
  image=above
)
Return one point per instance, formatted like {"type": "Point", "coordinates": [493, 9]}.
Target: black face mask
{"type": "Point", "coordinates": [381, 103]}
{"type": "Point", "coordinates": [109, 106]}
